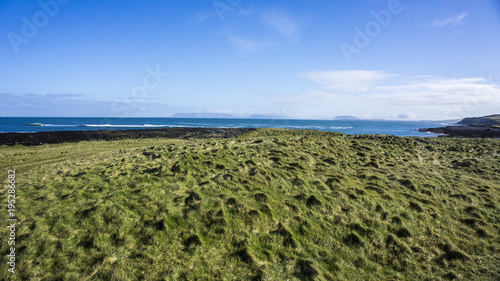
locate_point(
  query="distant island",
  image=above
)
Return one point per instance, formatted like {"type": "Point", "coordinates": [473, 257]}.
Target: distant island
{"type": "Point", "coordinates": [266, 116]}
{"type": "Point", "coordinates": [479, 127]}
{"type": "Point", "coordinates": [203, 115]}
{"type": "Point", "coordinates": [345, 117]}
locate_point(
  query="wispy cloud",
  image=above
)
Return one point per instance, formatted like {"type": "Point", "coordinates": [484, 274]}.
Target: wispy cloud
{"type": "Point", "coordinates": [276, 21]}
{"type": "Point", "coordinates": [248, 45]}
{"type": "Point", "coordinates": [348, 80]}
{"type": "Point", "coordinates": [451, 21]}
{"type": "Point", "coordinates": [203, 16]}
{"type": "Point", "coordinates": [71, 105]}
{"type": "Point", "coordinates": [280, 21]}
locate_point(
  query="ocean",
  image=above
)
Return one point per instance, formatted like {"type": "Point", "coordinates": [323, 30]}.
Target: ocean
{"type": "Point", "coordinates": [356, 127]}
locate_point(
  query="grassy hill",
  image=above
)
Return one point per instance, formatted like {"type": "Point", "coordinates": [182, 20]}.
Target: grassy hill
{"type": "Point", "coordinates": [490, 120]}
{"type": "Point", "coordinates": [495, 117]}
{"type": "Point", "coordinates": [268, 205]}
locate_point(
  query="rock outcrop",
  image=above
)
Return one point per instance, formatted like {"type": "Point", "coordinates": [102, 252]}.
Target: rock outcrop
{"type": "Point", "coordinates": [472, 127]}
{"type": "Point", "coordinates": [75, 136]}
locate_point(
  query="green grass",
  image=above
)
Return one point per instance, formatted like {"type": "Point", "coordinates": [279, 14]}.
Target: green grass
{"type": "Point", "coordinates": [495, 118]}
{"type": "Point", "coordinates": [269, 205]}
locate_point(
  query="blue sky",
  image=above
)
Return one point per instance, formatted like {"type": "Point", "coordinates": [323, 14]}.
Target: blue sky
{"type": "Point", "coordinates": [296, 58]}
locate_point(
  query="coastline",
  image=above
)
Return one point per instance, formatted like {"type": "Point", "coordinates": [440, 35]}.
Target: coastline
{"type": "Point", "coordinates": [39, 138]}
{"type": "Point", "coordinates": [53, 137]}
{"type": "Point", "coordinates": [470, 131]}
{"type": "Point", "coordinates": [352, 127]}
{"type": "Point", "coordinates": [471, 127]}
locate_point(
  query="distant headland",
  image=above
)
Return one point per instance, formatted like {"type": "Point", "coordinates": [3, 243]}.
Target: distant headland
{"type": "Point", "coordinates": [471, 127]}
{"type": "Point", "coordinates": [345, 117]}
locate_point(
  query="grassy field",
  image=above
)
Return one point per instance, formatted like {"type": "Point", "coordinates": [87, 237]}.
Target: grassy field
{"type": "Point", "coordinates": [268, 205]}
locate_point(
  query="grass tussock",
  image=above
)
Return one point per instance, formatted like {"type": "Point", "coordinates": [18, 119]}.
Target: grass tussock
{"type": "Point", "coordinates": [268, 205]}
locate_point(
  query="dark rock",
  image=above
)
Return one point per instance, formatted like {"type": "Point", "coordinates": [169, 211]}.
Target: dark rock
{"type": "Point", "coordinates": [471, 131]}
{"type": "Point", "coordinates": [40, 138]}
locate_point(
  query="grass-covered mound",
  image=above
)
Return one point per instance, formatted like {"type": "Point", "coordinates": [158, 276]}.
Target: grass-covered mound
{"type": "Point", "coordinates": [269, 205]}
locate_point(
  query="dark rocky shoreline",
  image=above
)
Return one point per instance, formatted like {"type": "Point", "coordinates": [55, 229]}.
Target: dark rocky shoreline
{"type": "Point", "coordinates": [472, 131]}
{"type": "Point", "coordinates": [471, 127]}
{"type": "Point", "coordinates": [40, 138]}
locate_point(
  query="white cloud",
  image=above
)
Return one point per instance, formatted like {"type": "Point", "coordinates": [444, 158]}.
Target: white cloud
{"type": "Point", "coordinates": [349, 80]}
{"type": "Point", "coordinates": [388, 95]}
{"type": "Point", "coordinates": [280, 21]}
{"type": "Point", "coordinates": [436, 85]}
{"type": "Point", "coordinates": [455, 20]}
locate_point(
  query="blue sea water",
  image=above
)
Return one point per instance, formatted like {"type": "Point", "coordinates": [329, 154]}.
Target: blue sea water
{"type": "Point", "coordinates": [45, 124]}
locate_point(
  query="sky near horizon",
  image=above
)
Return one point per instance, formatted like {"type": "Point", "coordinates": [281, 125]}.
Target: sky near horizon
{"type": "Point", "coordinates": [313, 59]}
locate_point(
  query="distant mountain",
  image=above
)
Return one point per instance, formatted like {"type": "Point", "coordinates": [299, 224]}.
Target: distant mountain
{"type": "Point", "coordinates": [345, 117]}
{"type": "Point", "coordinates": [203, 115]}
{"type": "Point", "coordinates": [264, 116]}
